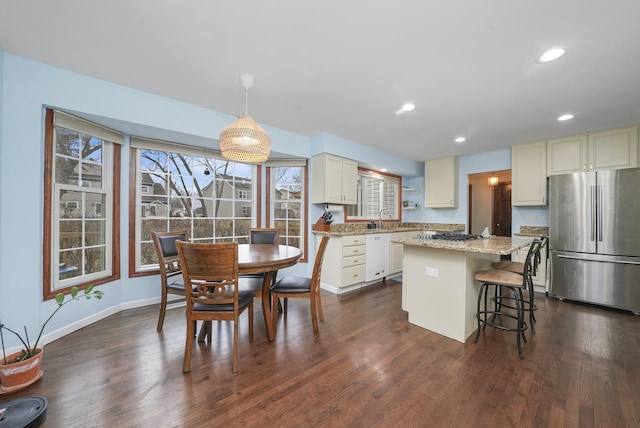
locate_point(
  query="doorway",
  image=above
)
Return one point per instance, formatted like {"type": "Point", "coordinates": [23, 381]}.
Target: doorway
{"type": "Point", "coordinates": [489, 205]}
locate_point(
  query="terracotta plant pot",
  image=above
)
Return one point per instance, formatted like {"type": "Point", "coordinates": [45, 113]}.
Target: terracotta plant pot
{"type": "Point", "coordinates": [17, 376]}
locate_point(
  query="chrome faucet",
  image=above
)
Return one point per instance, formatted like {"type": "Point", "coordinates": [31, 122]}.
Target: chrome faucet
{"type": "Point", "coordinates": [380, 217]}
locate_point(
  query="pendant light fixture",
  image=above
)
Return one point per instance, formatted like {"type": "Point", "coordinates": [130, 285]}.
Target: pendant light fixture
{"type": "Point", "coordinates": [245, 140]}
{"type": "Point", "coordinates": [493, 180]}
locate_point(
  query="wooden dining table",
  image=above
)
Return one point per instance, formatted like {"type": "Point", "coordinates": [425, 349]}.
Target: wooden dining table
{"type": "Point", "coordinates": [267, 259]}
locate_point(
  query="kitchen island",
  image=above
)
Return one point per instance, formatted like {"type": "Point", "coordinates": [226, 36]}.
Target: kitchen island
{"type": "Point", "coordinates": [439, 290]}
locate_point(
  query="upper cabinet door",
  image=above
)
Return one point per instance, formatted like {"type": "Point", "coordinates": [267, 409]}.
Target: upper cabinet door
{"type": "Point", "coordinates": [529, 174]}
{"type": "Point", "coordinates": [614, 149]}
{"type": "Point", "coordinates": [335, 180]}
{"type": "Point", "coordinates": [610, 149]}
{"type": "Point", "coordinates": [566, 155]}
{"type": "Point", "coordinates": [441, 183]}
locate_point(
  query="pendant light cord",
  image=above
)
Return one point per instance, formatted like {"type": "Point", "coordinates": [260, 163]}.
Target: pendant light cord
{"type": "Point", "coordinates": [246, 101]}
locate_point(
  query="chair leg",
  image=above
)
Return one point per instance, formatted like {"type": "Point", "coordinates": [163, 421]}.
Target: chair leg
{"type": "Point", "coordinates": [520, 324]}
{"type": "Point", "coordinates": [235, 345]}
{"type": "Point", "coordinates": [286, 304]}
{"type": "Point", "coordinates": [251, 321]}
{"type": "Point", "coordinates": [483, 289]}
{"type": "Point", "coordinates": [163, 309]}
{"type": "Point", "coordinates": [274, 313]}
{"type": "Point", "coordinates": [186, 365]}
{"type": "Point", "coordinates": [319, 299]}
{"type": "Point", "coordinates": [314, 314]}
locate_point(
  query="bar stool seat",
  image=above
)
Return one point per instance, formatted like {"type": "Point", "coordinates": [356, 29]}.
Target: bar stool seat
{"type": "Point", "coordinates": [501, 281]}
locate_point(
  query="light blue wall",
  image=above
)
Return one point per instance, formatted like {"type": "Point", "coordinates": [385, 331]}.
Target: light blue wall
{"type": "Point", "coordinates": [26, 88]}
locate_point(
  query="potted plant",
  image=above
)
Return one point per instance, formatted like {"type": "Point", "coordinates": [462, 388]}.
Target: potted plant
{"type": "Point", "coordinates": [21, 369]}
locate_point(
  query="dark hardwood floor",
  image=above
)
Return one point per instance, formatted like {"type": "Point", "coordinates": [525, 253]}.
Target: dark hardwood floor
{"type": "Point", "coordinates": [368, 368]}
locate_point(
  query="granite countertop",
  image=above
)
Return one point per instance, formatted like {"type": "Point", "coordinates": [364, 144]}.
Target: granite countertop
{"type": "Point", "coordinates": [535, 231]}
{"type": "Point", "coordinates": [344, 229]}
{"type": "Point", "coordinates": [502, 245]}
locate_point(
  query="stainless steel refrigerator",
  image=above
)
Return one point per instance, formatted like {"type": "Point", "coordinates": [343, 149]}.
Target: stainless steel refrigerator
{"type": "Point", "coordinates": [594, 237]}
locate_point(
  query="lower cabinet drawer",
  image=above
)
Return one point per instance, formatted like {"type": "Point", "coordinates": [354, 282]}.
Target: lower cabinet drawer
{"type": "Point", "coordinates": [353, 250]}
{"type": "Point", "coordinates": [353, 261]}
{"type": "Point", "coordinates": [352, 275]}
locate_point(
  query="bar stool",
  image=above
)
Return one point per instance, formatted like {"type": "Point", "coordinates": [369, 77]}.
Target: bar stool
{"type": "Point", "coordinates": [519, 268]}
{"type": "Point", "coordinates": [502, 281]}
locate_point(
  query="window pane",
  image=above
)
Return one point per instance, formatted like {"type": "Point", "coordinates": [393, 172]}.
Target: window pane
{"type": "Point", "coordinates": [375, 193]}
{"type": "Point", "coordinates": [95, 260]}
{"type": "Point", "coordinates": [287, 207]}
{"type": "Point", "coordinates": [209, 197]}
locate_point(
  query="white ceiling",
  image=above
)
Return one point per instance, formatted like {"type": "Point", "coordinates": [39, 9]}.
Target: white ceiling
{"type": "Point", "coordinates": [345, 66]}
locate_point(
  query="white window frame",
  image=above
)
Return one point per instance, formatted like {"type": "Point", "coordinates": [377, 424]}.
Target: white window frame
{"type": "Point", "coordinates": [104, 188]}
{"type": "Point", "coordinates": [272, 166]}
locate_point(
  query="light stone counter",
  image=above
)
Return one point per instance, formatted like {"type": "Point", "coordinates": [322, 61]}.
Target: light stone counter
{"type": "Point", "coordinates": [346, 229]}
{"type": "Point", "coordinates": [500, 245]}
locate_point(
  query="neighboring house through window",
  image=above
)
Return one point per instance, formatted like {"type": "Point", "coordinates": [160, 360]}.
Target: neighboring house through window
{"type": "Point", "coordinates": [186, 188]}
{"type": "Point", "coordinates": [287, 200]}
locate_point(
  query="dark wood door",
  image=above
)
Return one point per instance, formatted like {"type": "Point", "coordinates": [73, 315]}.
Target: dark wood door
{"type": "Point", "coordinates": [501, 210]}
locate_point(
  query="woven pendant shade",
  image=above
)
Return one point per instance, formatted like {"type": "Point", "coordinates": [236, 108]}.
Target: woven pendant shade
{"type": "Point", "coordinates": [245, 141]}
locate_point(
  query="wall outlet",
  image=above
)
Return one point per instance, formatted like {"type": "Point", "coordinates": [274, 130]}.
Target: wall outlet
{"type": "Point", "coordinates": [432, 272]}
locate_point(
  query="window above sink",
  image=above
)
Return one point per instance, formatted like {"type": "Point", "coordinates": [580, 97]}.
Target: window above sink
{"type": "Point", "coordinates": [376, 191]}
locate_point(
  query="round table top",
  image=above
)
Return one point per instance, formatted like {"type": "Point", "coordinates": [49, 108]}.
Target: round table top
{"type": "Point", "coordinates": [255, 258]}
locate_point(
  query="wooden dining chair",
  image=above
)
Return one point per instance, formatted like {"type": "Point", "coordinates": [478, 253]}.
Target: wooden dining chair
{"type": "Point", "coordinates": [254, 281]}
{"type": "Point", "coordinates": [212, 272]}
{"type": "Point", "coordinates": [171, 280]}
{"type": "Point", "coordinates": [295, 286]}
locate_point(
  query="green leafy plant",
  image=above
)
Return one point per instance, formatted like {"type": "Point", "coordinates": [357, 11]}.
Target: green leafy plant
{"type": "Point", "coordinates": [61, 299]}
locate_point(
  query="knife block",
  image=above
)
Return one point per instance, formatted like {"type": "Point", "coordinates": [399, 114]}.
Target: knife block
{"type": "Point", "coordinates": [320, 226]}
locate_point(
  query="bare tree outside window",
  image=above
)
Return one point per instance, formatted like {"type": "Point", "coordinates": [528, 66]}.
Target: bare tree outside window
{"type": "Point", "coordinates": [210, 197]}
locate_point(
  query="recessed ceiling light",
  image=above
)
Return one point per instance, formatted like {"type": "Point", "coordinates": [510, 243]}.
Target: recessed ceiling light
{"type": "Point", "coordinates": [565, 117]}
{"type": "Point", "coordinates": [460, 140]}
{"type": "Point", "coordinates": [383, 169]}
{"type": "Point", "coordinates": [551, 55]}
{"type": "Point", "coordinates": [405, 108]}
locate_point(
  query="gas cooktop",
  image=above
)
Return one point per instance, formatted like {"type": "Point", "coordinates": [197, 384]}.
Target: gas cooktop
{"type": "Point", "coordinates": [454, 237]}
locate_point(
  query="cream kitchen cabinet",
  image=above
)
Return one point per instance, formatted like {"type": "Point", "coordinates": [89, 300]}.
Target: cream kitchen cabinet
{"type": "Point", "coordinates": [441, 183]}
{"type": "Point", "coordinates": [334, 180]}
{"type": "Point", "coordinates": [344, 261]}
{"type": "Point", "coordinates": [529, 174]}
{"type": "Point", "coordinates": [609, 149]}
{"type": "Point", "coordinates": [396, 250]}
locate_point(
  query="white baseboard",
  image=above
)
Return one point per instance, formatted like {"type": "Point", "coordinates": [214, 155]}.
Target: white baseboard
{"type": "Point", "coordinates": [77, 325]}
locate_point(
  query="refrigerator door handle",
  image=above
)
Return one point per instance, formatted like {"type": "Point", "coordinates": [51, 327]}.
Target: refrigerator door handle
{"type": "Point", "coordinates": [600, 220]}
{"type": "Point", "coordinates": [624, 262]}
{"type": "Point", "coordinates": [593, 213]}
